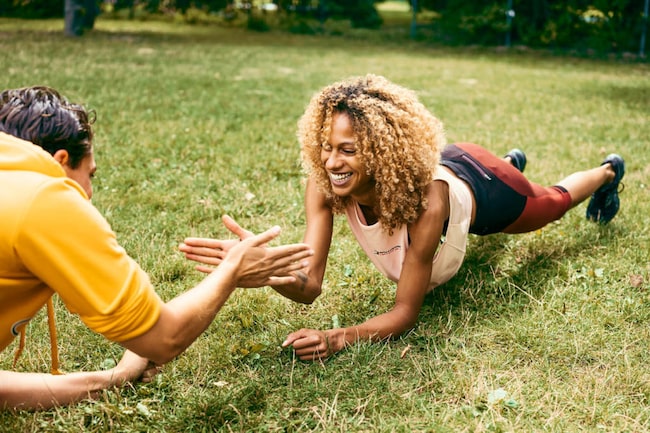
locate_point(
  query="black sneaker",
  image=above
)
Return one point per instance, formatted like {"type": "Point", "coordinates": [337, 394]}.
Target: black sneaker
{"type": "Point", "coordinates": [604, 203]}
{"type": "Point", "coordinates": [518, 159]}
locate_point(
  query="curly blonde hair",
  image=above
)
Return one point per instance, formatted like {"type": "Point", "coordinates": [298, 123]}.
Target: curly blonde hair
{"type": "Point", "coordinates": [398, 141]}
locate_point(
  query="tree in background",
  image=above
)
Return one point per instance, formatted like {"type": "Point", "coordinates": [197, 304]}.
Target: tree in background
{"type": "Point", "coordinates": [602, 25]}
{"type": "Point", "coordinates": [361, 13]}
{"type": "Point", "coordinates": [79, 16]}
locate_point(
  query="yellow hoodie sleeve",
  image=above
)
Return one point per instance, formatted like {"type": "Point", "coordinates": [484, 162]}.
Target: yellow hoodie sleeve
{"type": "Point", "coordinates": [67, 244]}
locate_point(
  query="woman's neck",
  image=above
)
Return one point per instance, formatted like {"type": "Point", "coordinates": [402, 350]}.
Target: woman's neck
{"type": "Point", "coordinates": [368, 214]}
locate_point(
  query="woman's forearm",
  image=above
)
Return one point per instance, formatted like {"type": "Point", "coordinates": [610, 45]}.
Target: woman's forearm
{"type": "Point", "coordinates": [390, 324]}
{"type": "Point", "coordinates": [303, 290]}
{"type": "Point", "coordinates": [313, 345]}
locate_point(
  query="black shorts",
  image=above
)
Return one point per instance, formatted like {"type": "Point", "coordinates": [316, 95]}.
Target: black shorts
{"type": "Point", "coordinates": [505, 200]}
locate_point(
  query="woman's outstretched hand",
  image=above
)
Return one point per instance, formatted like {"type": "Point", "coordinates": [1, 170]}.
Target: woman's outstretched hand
{"type": "Point", "coordinates": [211, 252]}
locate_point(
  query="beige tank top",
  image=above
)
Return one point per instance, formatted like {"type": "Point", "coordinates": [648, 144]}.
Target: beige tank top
{"type": "Point", "coordinates": [387, 253]}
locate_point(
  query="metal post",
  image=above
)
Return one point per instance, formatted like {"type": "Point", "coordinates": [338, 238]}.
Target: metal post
{"type": "Point", "coordinates": [510, 14]}
{"type": "Point", "coordinates": [414, 23]}
{"type": "Point", "coordinates": [644, 29]}
{"type": "Point", "coordinates": [73, 23]}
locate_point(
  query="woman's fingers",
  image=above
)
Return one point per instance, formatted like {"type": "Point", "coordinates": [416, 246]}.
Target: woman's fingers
{"type": "Point", "coordinates": [289, 262]}
{"type": "Point", "coordinates": [235, 228]}
{"type": "Point", "coordinates": [202, 242]}
{"type": "Point", "coordinates": [273, 265]}
{"type": "Point", "coordinates": [204, 269]}
{"type": "Point", "coordinates": [204, 256]}
{"type": "Point", "coordinates": [280, 281]}
{"type": "Point", "coordinates": [291, 251]}
{"type": "Point", "coordinates": [208, 252]}
{"type": "Point", "coordinates": [263, 237]}
{"type": "Point", "coordinates": [308, 344]}
{"type": "Point", "coordinates": [205, 251]}
{"type": "Point", "coordinates": [286, 258]}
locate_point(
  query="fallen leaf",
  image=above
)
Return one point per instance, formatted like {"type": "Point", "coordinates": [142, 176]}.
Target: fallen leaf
{"type": "Point", "coordinates": [143, 410]}
{"type": "Point", "coordinates": [497, 396]}
{"type": "Point", "coordinates": [636, 280]}
{"type": "Point", "coordinates": [512, 403]}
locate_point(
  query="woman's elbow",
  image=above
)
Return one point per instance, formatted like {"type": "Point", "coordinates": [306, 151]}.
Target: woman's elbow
{"type": "Point", "coordinates": [311, 293]}
{"type": "Point", "coordinates": [306, 294]}
{"type": "Point", "coordinates": [407, 320]}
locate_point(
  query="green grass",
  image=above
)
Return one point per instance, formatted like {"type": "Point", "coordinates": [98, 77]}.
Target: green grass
{"type": "Point", "coordinates": [546, 331]}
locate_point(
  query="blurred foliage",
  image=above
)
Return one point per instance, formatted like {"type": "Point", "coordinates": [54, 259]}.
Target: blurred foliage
{"type": "Point", "coordinates": [597, 24]}
{"type": "Point", "coordinates": [31, 8]}
{"type": "Point", "coordinates": [601, 25]}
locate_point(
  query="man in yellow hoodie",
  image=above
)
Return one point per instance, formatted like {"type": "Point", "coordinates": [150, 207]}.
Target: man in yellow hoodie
{"type": "Point", "coordinates": [53, 240]}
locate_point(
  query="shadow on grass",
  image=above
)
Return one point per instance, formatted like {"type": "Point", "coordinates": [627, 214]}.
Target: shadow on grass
{"type": "Point", "coordinates": [634, 97]}
{"type": "Point", "coordinates": [485, 287]}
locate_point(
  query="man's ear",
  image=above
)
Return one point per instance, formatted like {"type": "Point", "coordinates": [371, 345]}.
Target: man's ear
{"type": "Point", "coordinates": [61, 156]}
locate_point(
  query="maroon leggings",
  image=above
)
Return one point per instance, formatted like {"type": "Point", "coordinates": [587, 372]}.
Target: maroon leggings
{"type": "Point", "coordinates": [505, 200]}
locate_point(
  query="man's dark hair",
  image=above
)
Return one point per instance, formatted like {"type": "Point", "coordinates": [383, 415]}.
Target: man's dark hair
{"type": "Point", "coordinates": [41, 115]}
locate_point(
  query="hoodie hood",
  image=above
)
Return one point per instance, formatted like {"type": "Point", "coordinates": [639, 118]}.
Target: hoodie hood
{"type": "Point", "coordinates": [20, 155]}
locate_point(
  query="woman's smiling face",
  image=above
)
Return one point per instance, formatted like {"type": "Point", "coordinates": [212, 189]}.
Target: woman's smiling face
{"type": "Point", "coordinates": [346, 171]}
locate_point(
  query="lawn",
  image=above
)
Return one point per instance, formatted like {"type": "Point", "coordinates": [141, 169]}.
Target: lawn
{"type": "Point", "coordinates": [546, 331]}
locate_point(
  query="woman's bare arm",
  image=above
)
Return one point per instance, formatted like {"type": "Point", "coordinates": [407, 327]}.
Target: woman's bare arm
{"type": "Point", "coordinates": [412, 287]}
